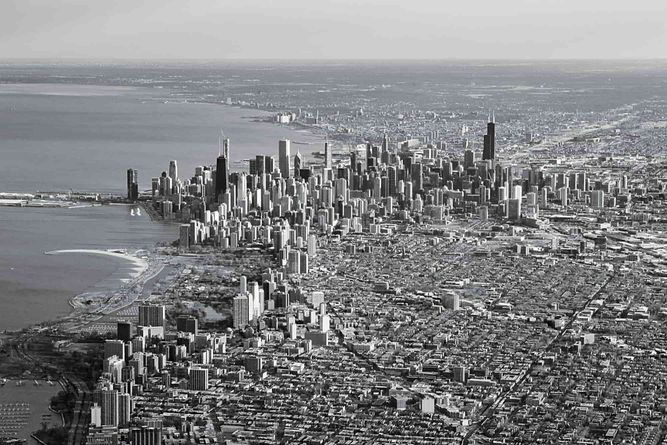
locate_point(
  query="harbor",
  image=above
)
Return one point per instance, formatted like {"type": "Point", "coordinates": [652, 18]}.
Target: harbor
{"type": "Point", "coordinates": [24, 408]}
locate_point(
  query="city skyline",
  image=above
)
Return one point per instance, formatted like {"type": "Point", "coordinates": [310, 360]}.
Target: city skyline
{"type": "Point", "coordinates": [422, 223]}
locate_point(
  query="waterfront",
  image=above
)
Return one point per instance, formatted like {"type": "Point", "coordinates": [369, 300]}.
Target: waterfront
{"type": "Point", "coordinates": [36, 287]}
{"type": "Point", "coordinates": [72, 130]}
{"type": "Point", "coordinates": [25, 407]}
{"type": "Point", "coordinates": [85, 137]}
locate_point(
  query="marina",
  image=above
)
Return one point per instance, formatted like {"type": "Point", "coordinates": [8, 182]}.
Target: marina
{"type": "Point", "coordinates": [24, 408]}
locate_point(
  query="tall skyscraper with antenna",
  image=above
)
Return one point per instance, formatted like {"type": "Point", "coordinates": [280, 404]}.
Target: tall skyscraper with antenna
{"type": "Point", "coordinates": [222, 168]}
{"type": "Point", "coordinates": [284, 158]}
{"type": "Point", "coordinates": [327, 155]}
{"type": "Point", "coordinates": [489, 152]}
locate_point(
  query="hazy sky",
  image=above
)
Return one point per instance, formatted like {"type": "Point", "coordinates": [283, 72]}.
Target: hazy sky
{"type": "Point", "coordinates": [335, 29]}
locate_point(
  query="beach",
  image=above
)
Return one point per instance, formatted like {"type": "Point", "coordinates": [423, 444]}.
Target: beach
{"type": "Point", "coordinates": [100, 242]}
{"type": "Point", "coordinates": [122, 290]}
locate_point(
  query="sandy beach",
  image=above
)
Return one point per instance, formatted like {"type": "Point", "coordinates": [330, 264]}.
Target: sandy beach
{"type": "Point", "coordinates": [139, 265]}
{"type": "Point", "coordinates": [93, 304]}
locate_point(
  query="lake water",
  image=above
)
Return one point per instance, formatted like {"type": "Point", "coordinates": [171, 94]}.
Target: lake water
{"type": "Point", "coordinates": [61, 137]}
{"type": "Point", "coordinates": [84, 137]}
{"type": "Point", "coordinates": [36, 287]}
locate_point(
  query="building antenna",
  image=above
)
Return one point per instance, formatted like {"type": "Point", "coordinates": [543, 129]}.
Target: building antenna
{"type": "Point", "coordinates": [222, 135]}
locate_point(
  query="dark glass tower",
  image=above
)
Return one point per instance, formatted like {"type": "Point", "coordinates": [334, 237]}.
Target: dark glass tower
{"type": "Point", "coordinates": [132, 184]}
{"type": "Point", "coordinates": [222, 171]}
{"type": "Point", "coordinates": [490, 140]}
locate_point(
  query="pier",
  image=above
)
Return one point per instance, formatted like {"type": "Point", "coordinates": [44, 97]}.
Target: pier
{"type": "Point", "coordinates": [64, 199]}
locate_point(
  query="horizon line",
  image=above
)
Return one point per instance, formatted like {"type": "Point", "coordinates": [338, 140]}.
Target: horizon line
{"type": "Point", "coordinates": [144, 60]}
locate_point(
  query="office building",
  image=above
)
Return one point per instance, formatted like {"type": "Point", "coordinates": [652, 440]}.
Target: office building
{"type": "Point", "coordinates": [187, 323]}
{"type": "Point", "coordinates": [184, 236]}
{"type": "Point", "coordinates": [469, 159]}
{"type": "Point", "coordinates": [124, 409]}
{"type": "Point", "coordinates": [173, 171]}
{"type": "Point", "coordinates": [514, 209]}
{"type": "Point", "coordinates": [327, 156]}
{"type": "Point", "coordinates": [198, 379]}
{"type": "Point", "coordinates": [460, 374]}
{"type": "Point", "coordinates": [325, 323]}
{"type": "Point", "coordinates": [298, 164]}
{"type": "Point", "coordinates": [222, 171]}
{"type": "Point", "coordinates": [96, 415]}
{"type": "Point", "coordinates": [132, 184]}
{"type": "Point", "coordinates": [114, 347]}
{"type": "Point", "coordinates": [151, 315]}
{"type": "Point", "coordinates": [284, 156]}
{"type": "Point", "coordinates": [451, 301]}
{"type": "Point", "coordinates": [597, 199]}
{"type": "Point", "coordinates": [124, 331]}
{"type": "Point", "coordinates": [107, 399]}
{"type": "Point", "coordinates": [241, 311]}
{"type": "Point", "coordinates": [489, 152]}
{"type": "Point", "coordinates": [144, 435]}
{"type": "Point", "coordinates": [254, 364]}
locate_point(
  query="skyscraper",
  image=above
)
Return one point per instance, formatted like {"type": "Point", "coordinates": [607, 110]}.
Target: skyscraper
{"type": "Point", "coordinates": [173, 171]}
{"type": "Point", "coordinates": [514, 210]}
{"type": "Point", "coordinates": [469, 159]}
{"type": "Point", "coordinates": [199, 379]}
{"type": "Point", "coordinates": [114, 347]}
{"type": "Point", "coordinates": [284, 157]}
{"type": "Point", "coordinates": [187, 323]}
{"type": "Point", "coordinates": [150, 315]}
{"type": "Point", "coordinates": [241, 311]}
{"type": "Point", "coordinates": [132, 184]}
{"type": "Point", "coordinates": [107, 399]}
{"type": "Point", "coordinates": [490, 139]}
{"type": "Point", "coordinates": [222, 171]}
{"type": "Point", "coordinates": [597, 199]}
{"type": "Point", "coordinates": [124, 409]}
{"type": "Point", "coordinates": [297, 164]}
{"type": "Point", "coordinates": [124, 330]}
{"type": "Point", "coordinates": [327, 155]}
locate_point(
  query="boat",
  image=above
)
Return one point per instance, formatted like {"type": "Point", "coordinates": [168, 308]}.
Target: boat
{"type": "Point", "coordinates": [50, 382]}
{"type": "Point", "coordinates": [132, 212]}
{"type": "Point", "coordinates": [36, 382]}
{"type": "Point", "coordinates": [138, 212]}
{"type": "Point", "coordinates": [2, 382]}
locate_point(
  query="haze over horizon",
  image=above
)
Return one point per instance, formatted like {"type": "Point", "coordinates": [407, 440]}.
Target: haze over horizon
{"type": "Point", "coordinates": [332, 29]}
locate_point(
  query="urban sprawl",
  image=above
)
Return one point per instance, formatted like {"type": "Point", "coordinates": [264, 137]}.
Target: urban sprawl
{"type": "Point", "coordinates": [399, 291]}
{"type": "Point", "coordinates": [398, 294]}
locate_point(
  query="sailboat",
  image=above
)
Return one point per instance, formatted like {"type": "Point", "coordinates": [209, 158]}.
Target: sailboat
{"type": "Point", "coordinates": [132, 212]}
{"type": "Point", "coordinates": [138, 212]}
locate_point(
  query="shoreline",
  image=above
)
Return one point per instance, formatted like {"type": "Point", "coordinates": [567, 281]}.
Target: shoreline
{"type": "Point", "coordinates": [121, 295]}
{"type": "Point", "coordinates": [91, 306]}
